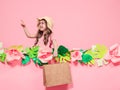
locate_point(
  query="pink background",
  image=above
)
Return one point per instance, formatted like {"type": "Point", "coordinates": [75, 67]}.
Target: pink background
{"type": "Point", "coordinates": [77, 24]}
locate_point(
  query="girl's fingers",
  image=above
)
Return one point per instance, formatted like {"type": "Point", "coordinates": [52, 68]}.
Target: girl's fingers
{"type": "Point", "coordinates": [22, 23]}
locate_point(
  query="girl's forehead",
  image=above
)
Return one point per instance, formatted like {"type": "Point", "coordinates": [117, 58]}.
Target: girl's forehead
{"type": "Point", "coordinates": [41, 21]}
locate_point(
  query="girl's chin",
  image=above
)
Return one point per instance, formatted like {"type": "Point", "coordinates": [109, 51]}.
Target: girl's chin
{"type": "Point", "coordinates": [42, 29]}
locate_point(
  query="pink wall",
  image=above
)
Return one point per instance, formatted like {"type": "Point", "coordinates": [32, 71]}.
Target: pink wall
{"type": "Point", "coordinates": [77, 24]}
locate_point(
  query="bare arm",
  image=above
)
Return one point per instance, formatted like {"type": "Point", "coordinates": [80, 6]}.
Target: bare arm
{"type": "Point", "coordinates": [53, 44]}
{"type": "Point", "coordinates": [26, 30]}
{"type": "Point", "coordinates": [51, 41]}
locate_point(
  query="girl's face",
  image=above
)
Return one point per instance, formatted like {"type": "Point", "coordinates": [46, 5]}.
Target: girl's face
{"type": "Point", "coordinates": [42, 25]}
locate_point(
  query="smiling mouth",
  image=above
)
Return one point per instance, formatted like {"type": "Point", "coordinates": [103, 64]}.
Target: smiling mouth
{"type": "Point", "coordinates": [41, 27]}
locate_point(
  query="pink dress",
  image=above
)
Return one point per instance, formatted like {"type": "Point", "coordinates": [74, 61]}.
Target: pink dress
{"type": "Point", "coordinates": [45, 52]}
{"type": "Point", "coordinates": [43, 47]}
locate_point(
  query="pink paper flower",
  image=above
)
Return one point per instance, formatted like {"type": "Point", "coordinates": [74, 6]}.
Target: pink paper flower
{"type": "Point", "coordinates": [45, 56]}
{"type": "Point", "coordinates": [113, 53]}
{"type": "Point", "coordinates": [76, 55]}
{"type": "Point", "coordinates": [13, 54]}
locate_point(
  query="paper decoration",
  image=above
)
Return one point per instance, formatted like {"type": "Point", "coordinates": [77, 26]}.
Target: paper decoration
{"type": "Point", "coordinates": [76, 55]}
{"type": "Point", "coordinates": [38, 62]}
{"type": "Point", "coordinates": [45, 57]}
{"type": "Point", "coordinates": [2, 54]}
{"type": "Point", "coordinates": [32, 52]}
{"type": "Point", "coordinates": [2, 57]}
{"type": "Point", "coordinates": [65, 58]}
{"type": "Point", "coordinates": [97, 54]}
{"type": "Point", "coordinates": [86, 58]}
{"type": "Point", "coordinates": [113, 53]}
{"type": "Point", "coordinates": [63, 54]}
{"type": "Point", "coordinates": [17, 47]}
{"type": "Point", "coordinates": [101, 62]}
{"type": "Point", "coordinates": [26, 59]}
{"type": "Point", "coordinates": [13, 54]}
{"type": "Point", "coordinates": [62, 50]}
{"type": "Point", "coordinates": [97, 51]}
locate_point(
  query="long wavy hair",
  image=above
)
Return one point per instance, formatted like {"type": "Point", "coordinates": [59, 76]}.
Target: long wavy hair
{"type": "Point", "coordinates": [47, 34]}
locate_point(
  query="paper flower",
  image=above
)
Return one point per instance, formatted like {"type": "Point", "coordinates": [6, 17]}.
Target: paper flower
{"type": "Point", "coordinates": [76, 55]}
{"type": "Point", "coordinates": [101, 62]}
{"type": "Point", "coordinates": [113, 53]}
{"type": "Point", "coordinates": [45, 56]}
{"type": "Point", "coordinates": [37, 56]}
{"type": "Point", "coordinates": [13, 54]}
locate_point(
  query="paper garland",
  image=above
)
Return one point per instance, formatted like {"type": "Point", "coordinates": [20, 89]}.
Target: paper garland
{"type": "Point", "coordinates": [97, 55]}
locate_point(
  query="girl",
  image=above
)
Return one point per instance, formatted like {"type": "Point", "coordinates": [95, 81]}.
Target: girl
{"type": "Point", "coordinates": [44, 33]}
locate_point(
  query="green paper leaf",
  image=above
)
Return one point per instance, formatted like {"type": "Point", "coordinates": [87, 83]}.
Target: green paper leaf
{"type": "Point", "coordinates": [86, 58]}
{"type": "Point", "coordinates": [26, 60]}
{"type": "Point", "coordinates": [2, 57]}
{"type": "Point", "coordinates": [63, 58]}
{"type": "Point", "coordinates": [62, 50]}
{"type": "Point", "coordinates": [32, 52]}
{"type": "Point", "coordinates": [37, 61]}
{"type": "Point", "coordinates": [80, 61]}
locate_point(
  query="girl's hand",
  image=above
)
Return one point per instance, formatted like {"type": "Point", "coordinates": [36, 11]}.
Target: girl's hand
{"type": "Point", "coordinates": [23, 24]}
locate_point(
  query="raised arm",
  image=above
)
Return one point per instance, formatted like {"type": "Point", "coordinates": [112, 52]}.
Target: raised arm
{"type": "Point", "coordinates": [29, 35]}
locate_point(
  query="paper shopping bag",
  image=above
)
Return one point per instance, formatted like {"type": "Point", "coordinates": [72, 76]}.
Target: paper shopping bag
{"type": "Point", "coordinates": [56, 74]}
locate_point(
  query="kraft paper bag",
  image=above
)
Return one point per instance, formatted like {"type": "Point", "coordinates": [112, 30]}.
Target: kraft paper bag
{"type": "Point", "coordinates": [56, 74]}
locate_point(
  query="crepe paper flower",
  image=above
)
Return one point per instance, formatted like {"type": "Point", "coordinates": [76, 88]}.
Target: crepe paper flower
{"type": "Point", "coordinates": [62, 50]}
{"type": "Point", "coordinates": [113, 53]}
{"type": "Point", "coordinates": [2, 57]}
{"type": "Point", "coordinates": [17, 47]}
{"type": "Point", "coordinates": [76, 55]}
{"type": "Point", "coordinates": [38, 62]}
{"type": "Point", "coordinates": [13, 54]}
{"type": "Point", "coordinates": [45, 56]}
{"type": "Point", "coordinates": [32, 52]}
{"type": "Point", "coordinates": [97, 51]}
{"type": "Point", "coordinates": [101, 62]}
{"type": "Point", "coordinates": [86, 58]}
{"type": "Point", "coordinates": [26, 59]}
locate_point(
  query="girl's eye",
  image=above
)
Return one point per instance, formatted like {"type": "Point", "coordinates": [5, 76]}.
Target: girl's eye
{"type": "Point", "coordinates": [41, 23]}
